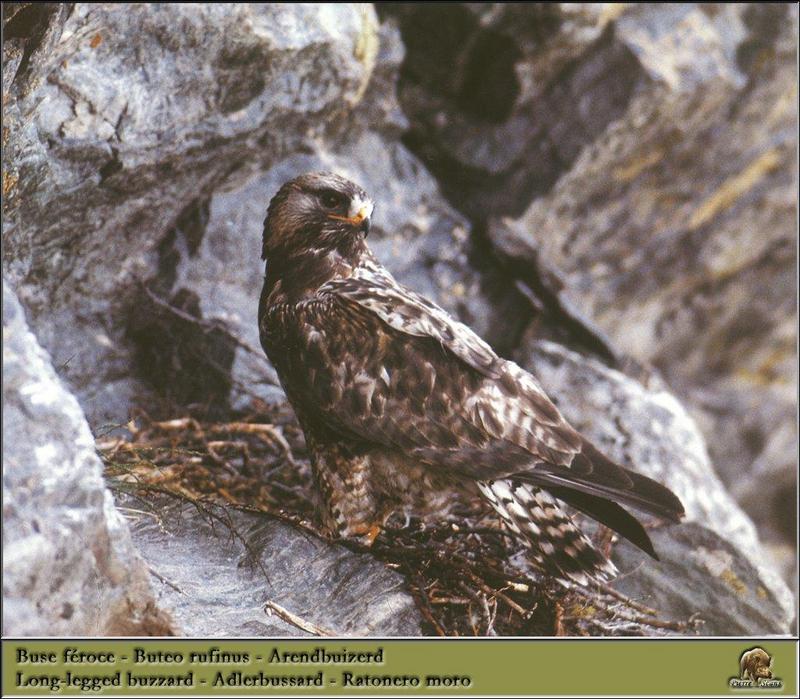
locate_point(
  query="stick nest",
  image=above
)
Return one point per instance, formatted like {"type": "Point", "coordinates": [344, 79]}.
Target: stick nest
{"type": "Point", "coordinates": [468, 577]}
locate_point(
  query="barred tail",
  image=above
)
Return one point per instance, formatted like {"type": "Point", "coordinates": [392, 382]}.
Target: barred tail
{"type": "Point", "coordinates": [555, 542]}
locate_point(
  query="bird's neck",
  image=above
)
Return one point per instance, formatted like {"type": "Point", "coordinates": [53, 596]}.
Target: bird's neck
{"type": "Point", "coordinates": [294, 277]}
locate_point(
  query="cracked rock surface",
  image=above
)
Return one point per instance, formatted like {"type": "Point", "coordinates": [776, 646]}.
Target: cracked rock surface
{"type": "Point", "coordinates": [720, 588]}
{"type": "Point", "coordinates": [674, 231]}
{"type": "Point", "coordinates": [110, 139]}
{"type": "Point", "coordinates": [69, 565]}
{"type": "Point", "coordinates": [234, 576]}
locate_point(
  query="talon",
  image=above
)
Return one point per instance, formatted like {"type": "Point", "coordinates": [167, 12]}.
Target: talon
{"type": "Point", "coordinates": [365, 535]}
{"type": "Point", "coordinates": [372, 534]}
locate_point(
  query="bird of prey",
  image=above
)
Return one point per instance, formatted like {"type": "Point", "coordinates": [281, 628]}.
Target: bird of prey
{"type": "Point", "coordinates": [406, 409]}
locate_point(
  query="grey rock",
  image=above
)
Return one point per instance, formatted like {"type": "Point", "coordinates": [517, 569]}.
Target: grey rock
{"type": "Point", "coordinates": [673, 232]}
{"type": "Point", "coordinates": [702, 577]}
{"type": "Point", "coordinates": [645, 428]}
{"type": "Point", "coordinates": [119, 119]}
{"type": "Point", "coordinates": [170, 145]}
{"type": "Point", "coordinates": [502, 96]}
{"type": "Point", "coordinates": [217, 582]}
{"type": "Point", "coordinates": [69, 566]}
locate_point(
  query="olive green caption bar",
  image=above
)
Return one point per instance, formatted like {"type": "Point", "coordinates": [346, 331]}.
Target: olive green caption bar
{"type": "Point", "coordinates": [434, 667]}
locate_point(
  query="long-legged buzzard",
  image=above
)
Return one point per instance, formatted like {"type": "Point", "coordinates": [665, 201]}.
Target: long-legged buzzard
{"type": "Point", "coordinates": [405, 408]}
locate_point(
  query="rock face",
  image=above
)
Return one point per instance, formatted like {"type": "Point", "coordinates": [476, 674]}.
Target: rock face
{"type": "Point", "coordinates": [136, 173]}
{"type": "Point", "coordinates": [701, 577]}
{"type": "Point", "coordinates": [217, 582]}
{"type": "Point", "coordinates": [502, 97]}
{"type": "Point", "coordinates": [110, 140]}
{"type": "Point", "coordinates": [618, 178]}
{"type": "Point", "coordinates": [646, 155]}
{"type": "Point", "coordinates": [644, 427]}
{"type": "Point", "coordinates": [674, 233]}
{"type": "Point", "coordinates": [69, 566]}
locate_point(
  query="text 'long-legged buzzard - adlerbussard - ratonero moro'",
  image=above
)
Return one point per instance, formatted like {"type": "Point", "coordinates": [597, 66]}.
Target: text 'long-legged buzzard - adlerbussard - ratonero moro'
{"type": "Point", "coordinates": [405, 408]}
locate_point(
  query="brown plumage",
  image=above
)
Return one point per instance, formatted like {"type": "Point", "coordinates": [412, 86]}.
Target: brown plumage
{"type": "Point", "coordinates": [404, 408]}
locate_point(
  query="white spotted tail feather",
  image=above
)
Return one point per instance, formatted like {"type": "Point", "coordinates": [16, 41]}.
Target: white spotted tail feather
{"type": "Point", "coordinates": [554, 541]}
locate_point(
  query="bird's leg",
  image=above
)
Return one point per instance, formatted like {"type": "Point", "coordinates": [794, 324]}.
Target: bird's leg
{"type": "Point", "coordinates": [350, 508]}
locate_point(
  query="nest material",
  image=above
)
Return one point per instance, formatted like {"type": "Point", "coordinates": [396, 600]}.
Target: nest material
{"type": "Point", "coordinates": [468, 577]}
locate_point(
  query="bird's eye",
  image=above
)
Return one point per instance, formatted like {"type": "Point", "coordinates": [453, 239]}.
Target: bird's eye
{"type": "Point", "coordinates": [331, 200]}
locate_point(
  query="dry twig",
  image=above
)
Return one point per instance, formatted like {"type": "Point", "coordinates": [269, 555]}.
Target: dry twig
{"type": "Point", "coordinates": [303, 624]}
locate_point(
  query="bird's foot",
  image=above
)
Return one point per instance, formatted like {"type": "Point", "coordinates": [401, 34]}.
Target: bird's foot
{"type": "Point", "coordinates": [365, 534]}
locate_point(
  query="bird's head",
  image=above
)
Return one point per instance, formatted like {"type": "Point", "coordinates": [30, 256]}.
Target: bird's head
{"type": "Point", "coordinates": [316, 211]}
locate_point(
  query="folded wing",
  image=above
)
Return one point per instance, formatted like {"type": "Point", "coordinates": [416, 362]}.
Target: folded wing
{"type": "Point", "coordinates": [396, 370]}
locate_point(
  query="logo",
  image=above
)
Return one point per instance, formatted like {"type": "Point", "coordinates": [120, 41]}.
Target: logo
{"type": "Point", "coordinates": [755, 670]}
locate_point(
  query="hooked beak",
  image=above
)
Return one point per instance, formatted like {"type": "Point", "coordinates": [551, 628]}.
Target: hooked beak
{"type": "Point", "coordinates": [358, 215]}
